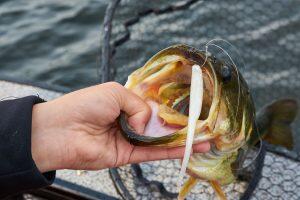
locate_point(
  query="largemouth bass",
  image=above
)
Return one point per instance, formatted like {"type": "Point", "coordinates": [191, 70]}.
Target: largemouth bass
{"type": "Point", "coordinates": [227, 120]}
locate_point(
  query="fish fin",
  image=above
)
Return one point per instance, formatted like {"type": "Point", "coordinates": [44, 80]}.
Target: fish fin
{"type": "Point", "coordinates": [186, 188]}
{"type": "Point", "coordinates": [279, 115]}
{"type": "Point", "coordinates": [217, 188]}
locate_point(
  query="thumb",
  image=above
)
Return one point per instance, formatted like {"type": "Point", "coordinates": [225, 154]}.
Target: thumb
{"type": "Point", "coordinates": [137, 110]}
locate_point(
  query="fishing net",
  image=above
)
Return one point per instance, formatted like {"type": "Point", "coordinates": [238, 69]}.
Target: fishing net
{"type": "Point", "coordinates": [257, 35]}
{"type": "Point", "coordinates": [157, 180]}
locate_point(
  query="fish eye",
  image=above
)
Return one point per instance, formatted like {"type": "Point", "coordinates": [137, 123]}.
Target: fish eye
{"type": "Point", "coordinates": [213, 59]}
{"type": "Point", "coordinates": [226, 73]}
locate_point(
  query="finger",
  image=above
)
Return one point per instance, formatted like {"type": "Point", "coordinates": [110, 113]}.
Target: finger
{"type": "Point", "coordinates": [201, 147]}
{"type": "Point", "coordinates": [138, 111]}
{"type": "Point", "coordinates": [141, 154]}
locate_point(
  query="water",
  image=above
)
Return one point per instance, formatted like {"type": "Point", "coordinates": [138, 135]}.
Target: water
{"type": "Point", "coordinates": [58, 42]}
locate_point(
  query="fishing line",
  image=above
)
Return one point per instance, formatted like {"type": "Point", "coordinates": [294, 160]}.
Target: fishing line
{"type": "Point", "coordinates": [247, 147]}
{"type": "Point", "coordinates": [238, 77]}
{"type": "Point", "coordinates": [241, 66]}
{"type": "Point", "coordinates": [244, 158]}
{"type": "Point", "coordinates": [257, 131]}
{"type": "Point", "coordinates": [235, 67]}
{"type": "Point", "coordinates": [239, 57]}
{"type": "Point", "coordinates": [260, 145]}
{"type": "Point", "coordinates": [210, 43]}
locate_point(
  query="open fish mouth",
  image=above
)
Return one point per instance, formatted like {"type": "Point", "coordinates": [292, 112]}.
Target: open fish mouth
{"type": "Point", "coordinates": [169, 103]}
{"type": "Point", "coordinates": [164, 82]}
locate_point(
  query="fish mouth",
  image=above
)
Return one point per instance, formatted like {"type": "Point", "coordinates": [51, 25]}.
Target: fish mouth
{"type": "Point", "coordinates": [170, 111]}
{"type": "Point", "coordinates": [166, 90]}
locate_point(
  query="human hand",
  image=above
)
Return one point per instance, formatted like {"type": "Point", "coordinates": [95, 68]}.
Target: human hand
{"type": "Point", "coordinates": [79, 131]}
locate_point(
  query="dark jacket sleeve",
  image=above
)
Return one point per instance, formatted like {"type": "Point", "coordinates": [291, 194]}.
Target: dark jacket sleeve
{"type": "Point", "coordinates": [18, 171]}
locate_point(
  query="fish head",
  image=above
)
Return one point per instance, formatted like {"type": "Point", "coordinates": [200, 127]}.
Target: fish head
{"type": "Point", "coordinates": [164, 83]}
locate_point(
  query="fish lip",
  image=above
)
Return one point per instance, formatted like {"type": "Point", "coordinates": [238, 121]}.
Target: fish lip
{"type": "Point", "coordinates": [140, 140]}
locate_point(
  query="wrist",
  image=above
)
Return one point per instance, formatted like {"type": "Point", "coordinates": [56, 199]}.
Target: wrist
{"type": "Point", "coordinates": [44, 146]}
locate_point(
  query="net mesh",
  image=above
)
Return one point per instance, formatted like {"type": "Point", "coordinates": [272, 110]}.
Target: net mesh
{"type": "Point", "coordinates": [269, 44]}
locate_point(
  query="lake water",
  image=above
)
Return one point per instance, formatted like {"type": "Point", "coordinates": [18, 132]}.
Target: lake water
{"type": "Point", "coordinates": [58, 42]}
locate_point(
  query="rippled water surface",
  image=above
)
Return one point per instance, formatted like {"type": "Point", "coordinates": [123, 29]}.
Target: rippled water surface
{"type": "Point", "coordinates": [58, 42]}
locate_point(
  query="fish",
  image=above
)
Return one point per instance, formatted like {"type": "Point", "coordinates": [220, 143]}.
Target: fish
{"type": "Point", "coordinates": [228, 118]}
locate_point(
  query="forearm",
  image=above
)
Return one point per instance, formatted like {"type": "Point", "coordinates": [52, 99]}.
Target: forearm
{"type": "Point", "coordinates": [18, 171]}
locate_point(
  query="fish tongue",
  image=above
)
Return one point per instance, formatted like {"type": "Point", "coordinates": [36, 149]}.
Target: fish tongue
{"type": "Point", "coordinates": [196, 96]}
{"type": "Point", "coordinates": [155, 127]}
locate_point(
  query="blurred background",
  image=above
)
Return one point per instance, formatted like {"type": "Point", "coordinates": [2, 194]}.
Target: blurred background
{"type": "Point", "coordinates": [59, 42]}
